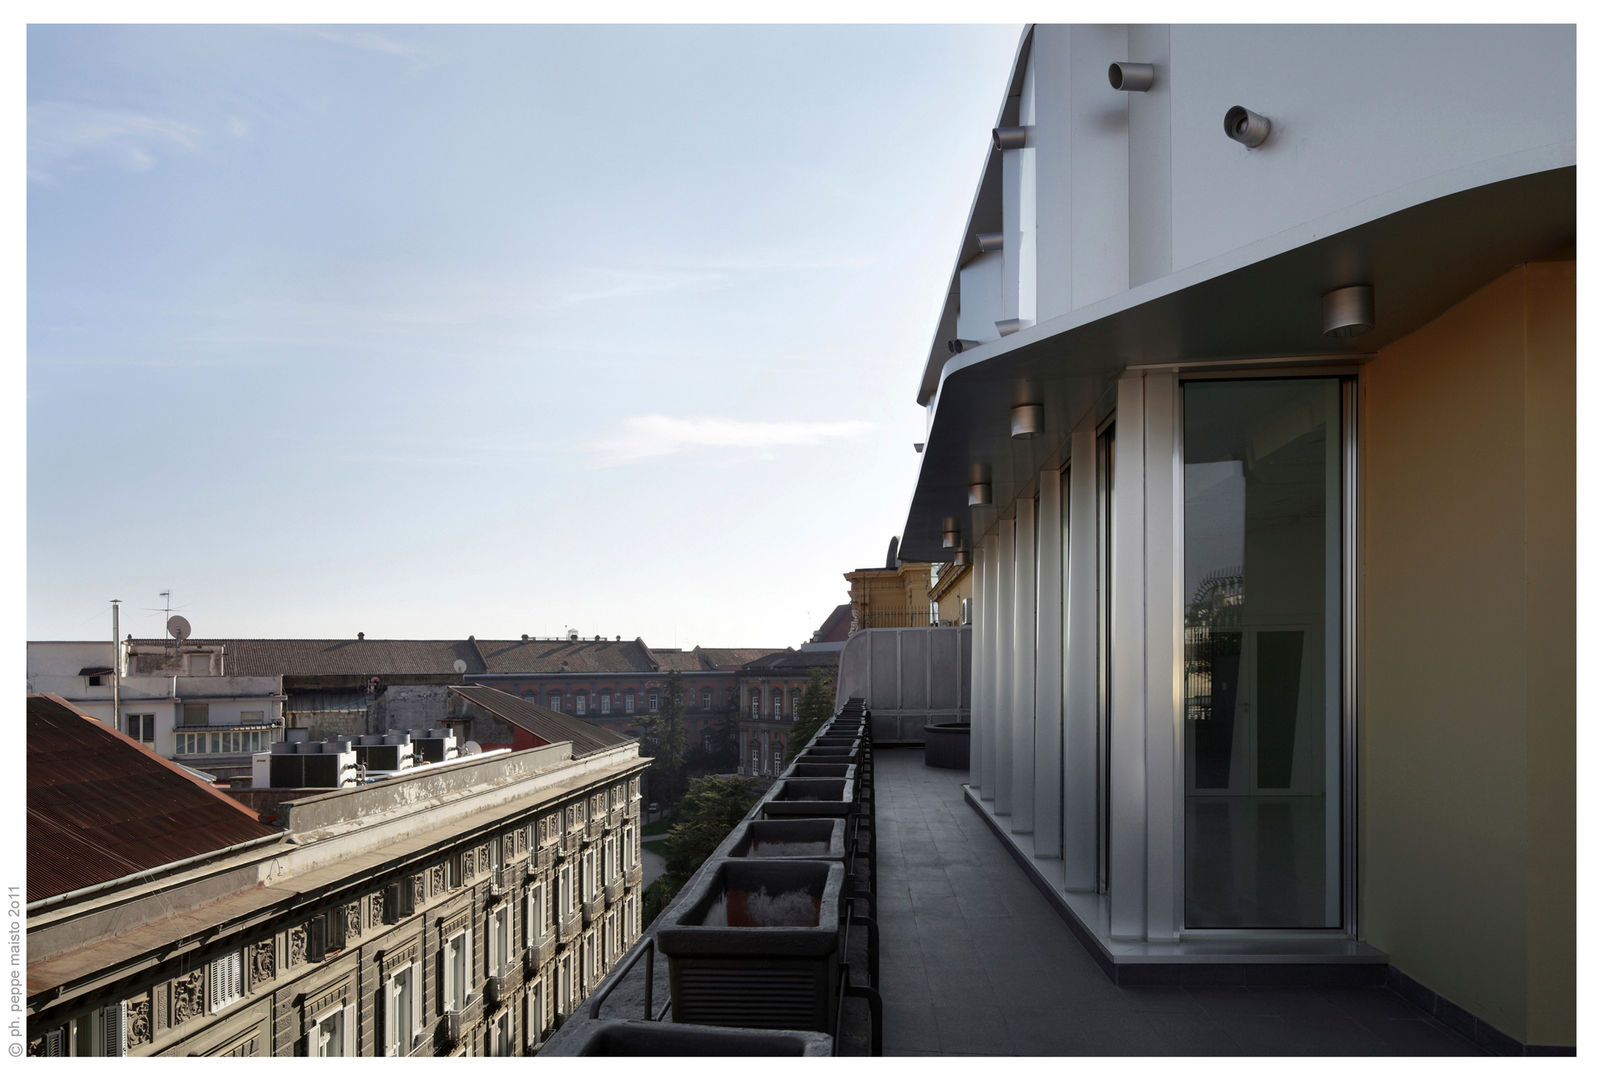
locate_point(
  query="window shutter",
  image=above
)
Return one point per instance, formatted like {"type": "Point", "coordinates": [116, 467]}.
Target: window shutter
{"type": "Point", "coordinates": [116, 1029]}
{"type": "Point", "coordinates": [348, 1031]}
{"type": "Point", "coordinates": [387, 1036]}
{"type": "Point", "coordinates": [417, 1002]}
{"type": "Point", "coordinates": [55, 1043]}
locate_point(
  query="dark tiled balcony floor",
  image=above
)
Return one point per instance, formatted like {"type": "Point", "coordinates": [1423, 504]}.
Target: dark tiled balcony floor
{"type": "Point", "coordinates": [973, 960]}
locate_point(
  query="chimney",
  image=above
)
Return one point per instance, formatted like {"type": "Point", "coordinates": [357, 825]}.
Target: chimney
{"type": "Point", "coordinates": [360, 636]}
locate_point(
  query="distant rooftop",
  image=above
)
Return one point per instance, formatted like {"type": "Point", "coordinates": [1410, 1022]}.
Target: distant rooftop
{"type": "Point", "coordinates": [550, 727]}
{"type": "Point", "coordinates": [101, 806]}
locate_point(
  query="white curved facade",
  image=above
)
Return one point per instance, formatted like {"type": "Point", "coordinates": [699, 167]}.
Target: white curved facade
{"type": "Point", "coordinates": [1274, 636]}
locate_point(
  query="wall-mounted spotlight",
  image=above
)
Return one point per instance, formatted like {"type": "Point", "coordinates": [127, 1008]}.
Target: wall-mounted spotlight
{"type": "Point", "coordinates": [1028, 421]}
{"type": "Point", "coordinates": [961, 558]}
{"type": "Point", "coordinates": [957, 345]}
{"type": "Point", "coordinates": [1349, 311]}
{"type": "Point", "coordinates": [1246, 127]}
{"type": "Point", "coordinates": [1009, 326]}
{"type": "Point", "coordinates": [989, 241]}
{"type": "Point", "coordinates": [1131, 77]}
{"type": "Point", "coordinates": [949, 534]}
{"type": "Point", "coordinates": [1010, 138]}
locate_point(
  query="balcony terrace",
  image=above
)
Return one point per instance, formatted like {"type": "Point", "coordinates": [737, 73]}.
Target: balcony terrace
{"type": "Point", "coordinates": [973, 959]}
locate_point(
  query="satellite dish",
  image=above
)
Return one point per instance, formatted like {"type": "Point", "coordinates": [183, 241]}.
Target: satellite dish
{"type": "Point", "coordinates": [178, 627]}
{"type": "Point", "coordinates": [459, 666]}
{"type": "Point", "coordinates": [470, 747]}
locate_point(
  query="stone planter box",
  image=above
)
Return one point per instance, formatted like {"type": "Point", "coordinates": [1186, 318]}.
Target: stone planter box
{"type": "Point", "coordinates": [785, 838]}
{"type": "Point", "coordinates": [809, 798]}
{"type": "Point", "coordinates": [807, 770]}
{"type": "Point", "coordinates": [824, 755]}
{"type": "Point", "coordinates": [755, 943]}
{"type": "Point", "coordinates": [842, 746]}
{"type": "Point", "coordinates": [641, 1038]}
{"type": "Point", "coordinates": [946, 746]}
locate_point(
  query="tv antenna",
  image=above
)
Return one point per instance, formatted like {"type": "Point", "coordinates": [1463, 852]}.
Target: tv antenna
{"type": "Point", "coordinates": [166, 608]}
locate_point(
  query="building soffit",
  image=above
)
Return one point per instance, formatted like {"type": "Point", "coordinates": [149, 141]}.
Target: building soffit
{"type": "Point", "coordinates": [985, 215]}
{"type": "Point", "coordinates": [1258, 304]}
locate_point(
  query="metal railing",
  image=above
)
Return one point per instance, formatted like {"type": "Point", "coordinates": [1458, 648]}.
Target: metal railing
{"type": "Point", "coordinates": [858, 929]}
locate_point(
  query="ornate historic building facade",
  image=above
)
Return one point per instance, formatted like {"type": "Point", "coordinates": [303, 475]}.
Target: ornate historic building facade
{"type": "Point", "coordinates": [456, 909]}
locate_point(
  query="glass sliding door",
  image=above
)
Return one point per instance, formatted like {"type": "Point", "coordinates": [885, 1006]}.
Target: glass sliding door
{"type": "Point", "coordinates": [1104, 727]}
{"type": "Point", "coordinates": [1263, 791]}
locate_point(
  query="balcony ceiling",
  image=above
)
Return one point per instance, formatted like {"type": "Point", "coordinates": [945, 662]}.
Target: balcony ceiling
{"type": "Point", "coordinates": [1420, 259]}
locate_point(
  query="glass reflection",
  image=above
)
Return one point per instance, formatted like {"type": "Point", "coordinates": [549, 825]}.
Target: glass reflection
{"type": "Point", "coordinates": [1262, 653]}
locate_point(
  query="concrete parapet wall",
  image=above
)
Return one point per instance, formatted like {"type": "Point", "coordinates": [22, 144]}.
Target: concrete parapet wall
{"type": "Point", "coordinates": [909, 676]}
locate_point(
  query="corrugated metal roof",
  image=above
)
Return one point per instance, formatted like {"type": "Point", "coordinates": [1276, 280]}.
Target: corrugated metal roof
{"type": "Point", "coordinates": [102, 806]}
{"type": "Point", "coordinates": [552, 727]}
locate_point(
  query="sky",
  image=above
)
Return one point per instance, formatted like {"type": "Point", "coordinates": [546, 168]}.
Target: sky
{"type": "Point", "coordinates": [424, 332]}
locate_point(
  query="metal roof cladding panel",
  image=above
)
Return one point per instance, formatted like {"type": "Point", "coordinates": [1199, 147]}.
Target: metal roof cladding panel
{"type": "Point", "coordinates": [553, 727]}
{"type": "Point", "coordinates": [102, 806]}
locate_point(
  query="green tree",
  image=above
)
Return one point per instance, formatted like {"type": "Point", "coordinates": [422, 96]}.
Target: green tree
{"type": "Point", "coordinates": [712, 806]}
{"type": "Point", "coordinates": [662, 736]}
{"type": "Point", "coordinates": [817, 705]}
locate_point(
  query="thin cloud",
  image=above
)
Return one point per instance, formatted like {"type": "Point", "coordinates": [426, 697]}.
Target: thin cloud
{"type": "Point", "coordinates": [602, 283]}
{"type": "Point", "coordinates": [366, 40]}
{"type": "Point", "coordinates": [641, 438]}
{"type": "Point", "coordinates": [64, 137]}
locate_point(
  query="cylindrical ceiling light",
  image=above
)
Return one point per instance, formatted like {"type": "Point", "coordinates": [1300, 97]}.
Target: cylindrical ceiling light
{"type": "Point", "coordinates": [949, 534]}
{"type": "Point", "coordinates": [1349, 311]}
{"type": "Point", "coordinates": [961, 558]}
{"type": "Point", "coordinates": [1010, 138]}
{"type": "Point", "coordinates": [1009, 326]}
{"type": "Point", "coordinates": [989, 241]}
{"type": "Point", "coordinates": [1028, 421]}
{"type": "Point", "coordinates": [979, 485]}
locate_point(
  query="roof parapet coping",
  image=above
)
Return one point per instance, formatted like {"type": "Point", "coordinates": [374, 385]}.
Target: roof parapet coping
{"type": "Point", "coordinates": [336, 840]}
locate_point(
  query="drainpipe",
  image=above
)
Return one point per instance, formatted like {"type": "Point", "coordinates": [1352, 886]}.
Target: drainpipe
{"type": "Point", "coordinates": [116, 673]}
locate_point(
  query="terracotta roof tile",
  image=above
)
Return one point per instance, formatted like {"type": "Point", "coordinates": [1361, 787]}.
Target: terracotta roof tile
{"type": "Point", "coordinates": [729, 659]}
{"type": "Point", "coordinates": [324, 656]}
{"type": "Point", "coordinates": [534, 655]}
